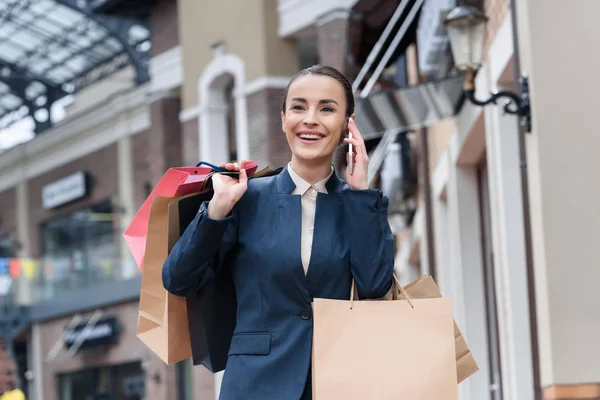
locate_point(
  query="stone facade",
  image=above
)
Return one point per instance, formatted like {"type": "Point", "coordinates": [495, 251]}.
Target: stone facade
{"type": "Point", "coordinates": [268, 144]}
{"type": "Point", "coordinates": [160, 383]}
{"type": "Point", "coordinates": [103, 169]}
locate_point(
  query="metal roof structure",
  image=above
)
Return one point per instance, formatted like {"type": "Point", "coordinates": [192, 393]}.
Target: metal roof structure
{"type": "Point", "coordinates": [52, 48]}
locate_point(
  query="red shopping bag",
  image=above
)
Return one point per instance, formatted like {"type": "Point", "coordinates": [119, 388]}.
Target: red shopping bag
{"type": "Point", "coordinates": [176, 182]}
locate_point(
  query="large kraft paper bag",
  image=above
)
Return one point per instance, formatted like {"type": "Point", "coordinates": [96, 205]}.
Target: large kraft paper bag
{"type": "Point", "coordinates": [162, 320]}
{"type": "Point", "coordinates": [424, 288]}
{"type": "Point", "coordinates": [386, 349]}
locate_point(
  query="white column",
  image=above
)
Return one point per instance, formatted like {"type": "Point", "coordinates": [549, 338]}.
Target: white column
{"type": "Point", "coordinates": [241, 122]}
{"type": "Point", "coordinates": [502, 138]}
{"type": "Point", "coordinates": [214, 142]}
{"type": "Point", "coordinates": [36, 388]}
{"type": "Point", "coordinates": [126, 202]}
{"type": "Point", "coordinates": [467, 271]}
{"type": "Point", "coordinates": [22, 214]}
{"type": "Point", "coordinates": [24, 286]}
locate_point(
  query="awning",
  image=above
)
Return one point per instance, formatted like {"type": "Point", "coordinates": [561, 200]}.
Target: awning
{"type": "Point", "coordinates": [385, 114]}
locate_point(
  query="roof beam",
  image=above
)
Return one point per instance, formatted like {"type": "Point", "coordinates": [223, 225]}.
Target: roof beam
{"type": "Point", "coordinates": [18, 79]}
{"type": "Point", "coordinates": [119, 28]}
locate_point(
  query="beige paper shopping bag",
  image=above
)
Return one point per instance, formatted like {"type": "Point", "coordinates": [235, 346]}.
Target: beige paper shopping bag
{"type": "Point", "coordinates": [388, 349]}
{"type": "Point", "coordinates": [162, 321]}
{"type": "Point", "coordinates": [425, 288]}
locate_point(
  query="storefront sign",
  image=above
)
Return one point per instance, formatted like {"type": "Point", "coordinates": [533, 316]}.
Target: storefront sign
{"type": "Point", "coordinates": [104, 332]}
{"type": "Point", "coordinates": [65, 190]}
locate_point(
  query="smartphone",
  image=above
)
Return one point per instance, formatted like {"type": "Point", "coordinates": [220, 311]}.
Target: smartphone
{"type": "Point", "coordinates": [350, 154]}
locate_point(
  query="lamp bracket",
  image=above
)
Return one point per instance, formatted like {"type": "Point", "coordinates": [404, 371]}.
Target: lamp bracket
{"type": "Point", "coordinates": [516, 104]}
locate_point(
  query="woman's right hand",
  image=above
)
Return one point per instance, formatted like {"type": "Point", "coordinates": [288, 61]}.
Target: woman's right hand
{"type": "Point", "coordinates": [227, 190]}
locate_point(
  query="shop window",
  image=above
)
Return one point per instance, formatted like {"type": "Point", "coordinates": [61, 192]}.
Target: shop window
{"type": "Point", "coordinates": [120, 382]}
{"type": "Point", "coordinates": [81, 247]}
{"type": "Point", "coordinates": [7, 245]}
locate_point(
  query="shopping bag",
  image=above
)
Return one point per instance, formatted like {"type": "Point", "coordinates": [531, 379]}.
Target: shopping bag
{"type": "Point", "coordinates": [162, 320]}
{"type": "Point", "coordinates": [424, 288]}
{"type": "Point", "coordinates": [211, 311]}
{"type": "Point", "coordinates": [175, 182]}
{"type": "Point", "coordinates": [387, 349]}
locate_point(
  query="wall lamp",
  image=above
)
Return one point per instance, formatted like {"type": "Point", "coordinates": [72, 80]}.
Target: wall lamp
{"type": "Point", "coordinates": [466, 27]}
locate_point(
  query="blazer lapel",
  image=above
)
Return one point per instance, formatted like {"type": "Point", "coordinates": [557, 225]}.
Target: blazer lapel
{"type": "Point", "coordinates": [327, 226]}
{"type": "Point", "coordinates": [290, 229]}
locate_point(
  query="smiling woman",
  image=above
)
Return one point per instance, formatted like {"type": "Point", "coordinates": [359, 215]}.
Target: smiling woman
{"type": "Point", "coordinates": [317, 234]}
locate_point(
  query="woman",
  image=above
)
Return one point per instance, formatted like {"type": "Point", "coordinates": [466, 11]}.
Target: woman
{"type": "Point", "coordinates": [288, 239]}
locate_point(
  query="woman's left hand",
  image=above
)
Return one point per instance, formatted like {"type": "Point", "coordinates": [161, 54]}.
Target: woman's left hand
{"type": "Point", "coordinates": [358, 178]}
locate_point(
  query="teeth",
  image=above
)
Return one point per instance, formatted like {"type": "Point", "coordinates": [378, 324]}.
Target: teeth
{"type": "Point", "coordinates": [310, 137]}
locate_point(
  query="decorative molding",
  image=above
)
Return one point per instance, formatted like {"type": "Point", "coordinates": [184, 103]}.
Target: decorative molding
{"type": "Point", "coordinates": [295, 15]}
{"type": "Point", "coordinates": [77, 137]}
{"type": "Point", "coordinates": [166, 70]}
{"type": "Point", "coordinates": [189, 114]}
{"type": "Point", "coordinates": [332, 15]}
{"type": "Point", "coordinates": [210, 88]}
{"type": "Point", "coordinates": [266, 82]}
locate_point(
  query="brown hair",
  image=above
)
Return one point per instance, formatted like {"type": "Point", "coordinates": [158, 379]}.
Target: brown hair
{"type": "Point", "coordinates": [332, 73]}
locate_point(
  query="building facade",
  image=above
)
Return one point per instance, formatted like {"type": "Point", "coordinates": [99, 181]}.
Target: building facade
{"type": "Point", "coordinates": [503, 219]}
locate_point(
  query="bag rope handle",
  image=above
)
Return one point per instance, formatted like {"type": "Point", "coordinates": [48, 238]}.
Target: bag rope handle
{"type": "Point", "coordinates": [394, 293]}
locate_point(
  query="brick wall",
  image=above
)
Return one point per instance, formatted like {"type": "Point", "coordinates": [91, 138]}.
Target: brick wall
{"type": "Point", "coordinates": [268, 144]}
{"type": "Point", "coordinates": [164, 26]}
{"type": "Point", "coordinates": [128, 349]}
{"type": "Point", "coordinates": [103, 168]}
{"type": "Point", "coordinates": [332, 39]}
{"type": "Point", "coordinates": [190, 142]}
{"type": "Point", "coordinates": [141, 164]}
{"type": "Point", "coordinates": [164, 142]}
{"type": "Point", "coordinates": [7, 211]}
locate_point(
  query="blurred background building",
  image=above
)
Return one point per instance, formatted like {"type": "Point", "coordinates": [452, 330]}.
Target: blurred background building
{"type": "Point", "coordinates": [99, 97]}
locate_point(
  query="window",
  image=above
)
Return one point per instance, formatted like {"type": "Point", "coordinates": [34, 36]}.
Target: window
{"type": "Point", "coordinates": [7, 244]}
{"type": "Point", "coordinates": [121, 382]}
{"type": "Point", "coordinates": [82, 246]}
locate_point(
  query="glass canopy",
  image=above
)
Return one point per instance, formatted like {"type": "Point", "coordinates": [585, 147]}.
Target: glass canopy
{"type": "Point", "coordinates": [52, 48]}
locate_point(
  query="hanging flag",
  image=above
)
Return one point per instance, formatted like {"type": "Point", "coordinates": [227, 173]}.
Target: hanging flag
{"type": "Point", "coordinates": [14, 266]}
{"type": "Point", "coordinates": [3, 266]}
{"type": "Point", "coordinates": [29, 267]}
{"type": "Point", "coordinates": [107, 267]}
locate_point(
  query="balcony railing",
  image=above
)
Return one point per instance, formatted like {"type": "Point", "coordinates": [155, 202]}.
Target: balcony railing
{"type": "Point", "coordinates": [26, 280]}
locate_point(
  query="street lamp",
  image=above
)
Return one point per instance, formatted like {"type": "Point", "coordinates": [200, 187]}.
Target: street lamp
{"type": "Point", "coordinates": [466, 31]}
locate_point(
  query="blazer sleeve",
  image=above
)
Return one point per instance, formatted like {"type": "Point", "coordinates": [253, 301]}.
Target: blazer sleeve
{"type": "Point", "coordinates": [199, 253]}
{"type": "Point", "coordinates": [371, 241]}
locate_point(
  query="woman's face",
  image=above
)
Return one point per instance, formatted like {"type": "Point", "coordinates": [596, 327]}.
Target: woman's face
{"type": "Point", "coordinates": [315, 117]}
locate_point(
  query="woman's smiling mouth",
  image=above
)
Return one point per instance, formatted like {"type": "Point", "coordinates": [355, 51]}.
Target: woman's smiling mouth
{"type": "Point", "coordinates": [310, 136]}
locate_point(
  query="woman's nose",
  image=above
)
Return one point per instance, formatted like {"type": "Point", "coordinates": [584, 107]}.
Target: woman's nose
{"type": "Point", "coordinates": [310, 118]}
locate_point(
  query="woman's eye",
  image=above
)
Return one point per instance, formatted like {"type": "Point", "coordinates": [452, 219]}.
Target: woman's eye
{"type": "Point", "coordinates": [327, 109]}
{"type": "Point", "coordinates": [297, 107]}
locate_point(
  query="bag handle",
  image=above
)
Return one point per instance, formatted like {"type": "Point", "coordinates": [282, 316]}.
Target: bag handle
{"type": "Point", "coordinates": [394, 293]}
{"type": "Point", "coordinates": [214, 167]}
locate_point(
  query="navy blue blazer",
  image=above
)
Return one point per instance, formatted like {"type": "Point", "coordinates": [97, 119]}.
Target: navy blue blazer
{"type": "Point", "coordinates": [259, 242]}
